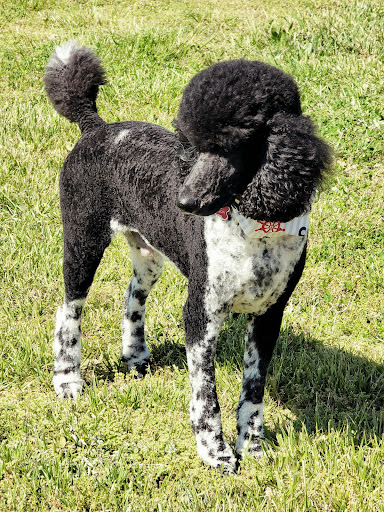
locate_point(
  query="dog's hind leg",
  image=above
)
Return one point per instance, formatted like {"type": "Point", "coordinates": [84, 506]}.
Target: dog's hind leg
{"type": "Point", "coordinates": [79, 266]}
{"type": "Point", "coordinates": [147, 265]}
{"type": "Point", "coordinates": [67, 379]}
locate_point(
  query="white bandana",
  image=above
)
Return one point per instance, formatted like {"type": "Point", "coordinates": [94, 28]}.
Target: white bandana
{"type": "Point", "coordinates": [257, 228]}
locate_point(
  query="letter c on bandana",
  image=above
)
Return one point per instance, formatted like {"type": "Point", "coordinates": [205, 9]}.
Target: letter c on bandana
{"type": "Point", "coordinates": [302, 231]}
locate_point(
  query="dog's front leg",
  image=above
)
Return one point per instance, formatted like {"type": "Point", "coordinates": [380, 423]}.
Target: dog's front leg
{"type": "Point", "coordinates": [262, 334]}
{"type": "Point", "coordinates": [201, 333]}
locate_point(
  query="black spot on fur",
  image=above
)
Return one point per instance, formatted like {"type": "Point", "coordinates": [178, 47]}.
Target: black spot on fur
{"type": "Point", "coordinates": [63, 357]}
{"type": "Point", "coordinates": [254, 391]}
{"type": "Point", "coordinates": [140, 296]}
{"type": "Point", "coordinates": [76, 314]}
{"type": "Point", "coordinates": [224, 458]}
{"type": "Point", "coordinates": [142, 369]}
{"type": "Point", "coordinates": [201, 425]}
{"type": "Point", "coordinates": [139, 332]}
{"type": "Point", "coordinates": [72, 342]}
{"type": "Point", "coordinates": [135, 316]}
{"type": "Point", "coordinates": [252, 418]}
{"type": "Point", "coordinates": [67, 370]}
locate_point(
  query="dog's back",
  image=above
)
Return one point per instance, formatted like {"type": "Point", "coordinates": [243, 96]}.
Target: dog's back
{"type": "Point", "coordinates": [126, 173]}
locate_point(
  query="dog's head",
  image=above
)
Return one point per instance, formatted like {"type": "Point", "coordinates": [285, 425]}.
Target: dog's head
{"type": "Point", "coordinates": [242, 123]}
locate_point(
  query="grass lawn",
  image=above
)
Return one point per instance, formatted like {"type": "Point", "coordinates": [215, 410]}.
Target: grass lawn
{"type": "Point", "coordinates": [126, 445]}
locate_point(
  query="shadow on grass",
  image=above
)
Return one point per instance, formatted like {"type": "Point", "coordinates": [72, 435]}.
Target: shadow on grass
{"type": "Point", "coordinates": [324, 387]}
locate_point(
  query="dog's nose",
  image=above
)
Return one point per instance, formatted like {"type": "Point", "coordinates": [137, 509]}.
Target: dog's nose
{"type": "Point", "coordinates": [187, 204]}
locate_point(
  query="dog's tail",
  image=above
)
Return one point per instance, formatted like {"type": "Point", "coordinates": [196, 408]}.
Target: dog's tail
{"type": "Point", "coordinates": [72, 79]}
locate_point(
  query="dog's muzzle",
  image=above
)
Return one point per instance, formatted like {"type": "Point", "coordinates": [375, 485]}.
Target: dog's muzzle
{"type": "Point", "coordinates": [187, 202]}
{"type": "Point", "coordinates": [210, 185]}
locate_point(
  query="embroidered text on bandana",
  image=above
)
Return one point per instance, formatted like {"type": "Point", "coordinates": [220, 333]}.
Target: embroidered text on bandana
{"type": "Point", "coordinates": [258, 228]}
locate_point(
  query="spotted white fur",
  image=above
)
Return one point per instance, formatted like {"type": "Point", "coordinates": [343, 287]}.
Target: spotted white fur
{"type": "Point", "coordinates": [67, 379]}
{"type": "Point", "coordinates": [248, 275]}
{"type": "Point", "coordinates": [249, 414]}
{"type": "Point", "coordinates": [147, 266]}
{"type": "Point", "coordinates": [204, 408]}
{"type": "Point", "coordinates": [245, 275]}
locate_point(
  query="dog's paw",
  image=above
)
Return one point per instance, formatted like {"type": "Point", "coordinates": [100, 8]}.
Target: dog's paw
{"type": "Point", "coordinates": [68, 389]}
{"type": "Point", "coordinates": [225, 465]}
{"type": "Point", "coordinates": [219, 457]}
{"type": "Point", "coordinates": [140, 367]}
{"type": "Point", "coordinates": [252, 446]}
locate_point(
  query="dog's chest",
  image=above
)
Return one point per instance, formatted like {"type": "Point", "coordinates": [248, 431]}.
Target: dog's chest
{"type": "Point", "coordinates": [247, 275]}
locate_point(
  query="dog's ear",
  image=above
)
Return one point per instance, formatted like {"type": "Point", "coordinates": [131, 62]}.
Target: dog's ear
{"type": "Point", "coordinates": [295, 163]}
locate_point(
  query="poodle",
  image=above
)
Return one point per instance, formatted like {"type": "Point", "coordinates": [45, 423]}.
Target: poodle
{"type": "Point", "coordinates": [225, 199]}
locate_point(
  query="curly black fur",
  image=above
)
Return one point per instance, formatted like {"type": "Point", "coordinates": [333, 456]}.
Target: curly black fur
{"type": "Point", "coordinates": [293, 166]}
{"type": "Point", "coordinates": [75, 96]}
{"type": "Point", "coordinates": [230, 102]}
{"type": "Point", "coordinates": [250, 112]}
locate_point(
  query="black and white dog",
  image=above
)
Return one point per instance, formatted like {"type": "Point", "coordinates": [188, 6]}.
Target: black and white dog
{"type": "Point", "coordinates": [245, 165]}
